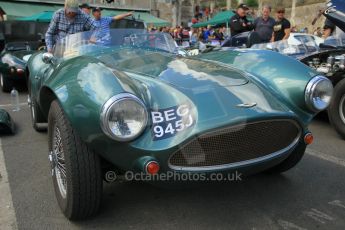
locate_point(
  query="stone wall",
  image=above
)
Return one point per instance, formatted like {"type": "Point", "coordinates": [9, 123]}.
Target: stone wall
{"type": "Point", "coordinates": [305, 12]}
{"type": "Point", "coordinates": [180, 12]}
{"type": "Point", "coordinates": [165, 11]}
{"type": "Point", "coordinates": [304, 16]}
{"type": "Point", "coordinates": [288, 3]}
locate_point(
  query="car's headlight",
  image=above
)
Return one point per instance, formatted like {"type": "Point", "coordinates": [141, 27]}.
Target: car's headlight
{"type": "Point", "coordinates": [123, 117]}
{"type": "Point", "coordinates": [318, 93]}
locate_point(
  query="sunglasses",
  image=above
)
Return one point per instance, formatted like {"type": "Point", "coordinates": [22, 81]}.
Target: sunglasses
{"type": "Point", "coordinates": [281, 12]}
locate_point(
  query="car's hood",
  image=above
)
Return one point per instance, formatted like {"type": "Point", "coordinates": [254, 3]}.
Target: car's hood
{"type": "Point", "coordinates": [192, 73]}
{"type": "Point", "coordinates": [336, 13]}
{"type": "Point", "coordinates": [200, 80]}
{"type": "Point", "coordinates": [183, 72]}
{"type": "Point", "coordinates": [209, 94]}
{"type": "Point", "coordinates": [215, 89]}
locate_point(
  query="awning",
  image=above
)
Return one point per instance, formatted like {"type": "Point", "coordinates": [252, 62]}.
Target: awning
{"type": "Point", "coordinates": [34, 11]}
{"type": "Point", "coordinates": [45, 16]}
{"type": "Point", "coordinates": [15, 10]}
{"type": "Point", "coordinates": [220, 18]}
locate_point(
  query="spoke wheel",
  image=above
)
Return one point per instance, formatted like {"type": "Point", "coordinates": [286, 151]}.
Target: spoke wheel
{"type": "Point", "coordinates": [57, 159]}
{"type": "Point", "coordinates": [75, 168]}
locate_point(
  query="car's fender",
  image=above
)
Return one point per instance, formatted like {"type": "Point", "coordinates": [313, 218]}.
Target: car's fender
{"type": "Point", "coordinates": [82, 85]}
{"type": "Point", "coordinates": [282, 75]}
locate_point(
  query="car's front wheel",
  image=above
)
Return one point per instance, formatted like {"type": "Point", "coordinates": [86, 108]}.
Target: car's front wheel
{"type": "Point", "coordinates": [291, 161]}
{"type": "Point", "coordinates": [336, 110]}
{"type": "Point", "coordinates": [76, 168]}
{"type": "Point", "coordinates": [5, 83]}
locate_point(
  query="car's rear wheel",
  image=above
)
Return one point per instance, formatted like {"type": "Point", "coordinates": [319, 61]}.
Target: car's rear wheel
{"type": "Point", "coordinates": [5, 83]}
{"type": "Point", "coordinates": [291, 161]}
{"type": "Point", "coordinates": [336, 110]}
{"type": "Point", "coordinates": [76, 168]}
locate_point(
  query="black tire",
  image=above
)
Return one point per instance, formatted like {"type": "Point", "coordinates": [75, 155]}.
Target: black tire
{"type": "Point", "coordinates": [289, 162]}
{"type": "Point", "coordinates": [5, 83]}
{"type": "Point", "coordinates": [82, 168]}
{"type": "Point", "coordinates": [336, 110]}
{"type": "Point", "coordinates": [36, 116]}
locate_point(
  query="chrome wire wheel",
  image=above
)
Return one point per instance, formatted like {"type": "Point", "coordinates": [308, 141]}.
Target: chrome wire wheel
{"type": "Point", "coordinates": [57, 159]}
{"type": "Point", "coordinates": [342, 109]}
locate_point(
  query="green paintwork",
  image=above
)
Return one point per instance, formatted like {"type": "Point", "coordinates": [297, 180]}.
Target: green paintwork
{"type": "Point", "coordinates": [214, 84]}
{"type": "Point", "coordinates": [281, 75]}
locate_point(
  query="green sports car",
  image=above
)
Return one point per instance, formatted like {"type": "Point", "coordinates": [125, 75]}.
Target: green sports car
{"type": "Point", "coordinates": [130, 101]}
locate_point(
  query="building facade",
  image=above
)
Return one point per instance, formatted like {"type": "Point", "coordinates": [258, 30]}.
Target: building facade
{"type": "Point", "coordinates": [130, 4]}
{"type": "Point", "coordinates": [180, 12]}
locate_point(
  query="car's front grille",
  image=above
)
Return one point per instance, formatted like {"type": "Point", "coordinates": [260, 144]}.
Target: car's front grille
{"type": "Point", "coordinates": [236, 144]}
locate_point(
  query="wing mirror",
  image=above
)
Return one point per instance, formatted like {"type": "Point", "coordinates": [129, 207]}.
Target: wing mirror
{"type": "Point", "coordinates": [47, 58]}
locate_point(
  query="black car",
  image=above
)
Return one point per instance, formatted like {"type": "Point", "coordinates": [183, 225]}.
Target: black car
{"type": "Point", "coordinates": [21, 38]}
{"type": "Point", "coordinates": [14, 55]}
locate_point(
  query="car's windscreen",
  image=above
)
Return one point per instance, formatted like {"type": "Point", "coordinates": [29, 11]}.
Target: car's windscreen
{"type": "Point", "coordinates": [96, 41]}
{"type": "Point", "coordinates": [305, 45]}
{"type": "Point", "coordinates": [17, 46]}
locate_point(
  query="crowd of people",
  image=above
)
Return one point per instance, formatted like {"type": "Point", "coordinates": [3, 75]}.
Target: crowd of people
{"type": "Point", "coordinates": [188, 36]}
{"type": "Point", "coordinates": [268, 28]}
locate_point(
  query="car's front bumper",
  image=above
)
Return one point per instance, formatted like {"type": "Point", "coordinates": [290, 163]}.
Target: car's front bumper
{"type": "Point", "coordinates": [247, 148]}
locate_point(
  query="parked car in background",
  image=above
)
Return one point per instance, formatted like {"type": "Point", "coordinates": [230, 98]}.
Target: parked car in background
{"type": "Point", "coordinates": [13, 54]}
{"type": "Point", "coordinates": [248, 39]}
{"type": "Point", "coordinates": [298, 38]}
{"type": "Point", "coordinates": [21, 38]}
